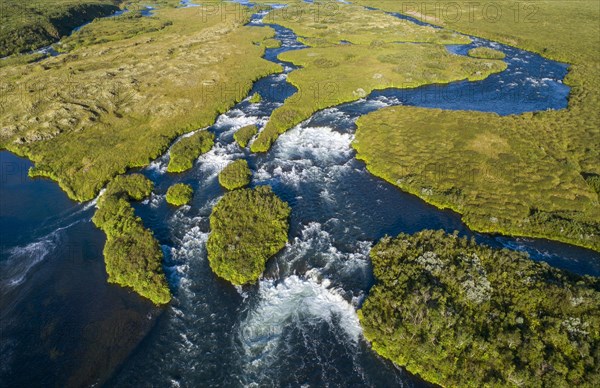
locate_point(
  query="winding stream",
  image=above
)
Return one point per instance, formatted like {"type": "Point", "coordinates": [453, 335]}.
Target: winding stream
{"type": "Point", "coordinates": [298, 325]}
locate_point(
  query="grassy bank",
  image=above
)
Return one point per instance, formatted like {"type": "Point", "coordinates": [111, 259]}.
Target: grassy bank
{"type": "Point", "coordinates": [248, 226]}
{"type": "Point", "coordinates": [461, 314]}
{"type": "Point", "coordinates": [530, 174]}
{"type": "Point", "coordinates": [486, 167]}
{"type": "Point", "coordinates": [89, 115]}
{"type": "Point", "coordinates": [132, 255]}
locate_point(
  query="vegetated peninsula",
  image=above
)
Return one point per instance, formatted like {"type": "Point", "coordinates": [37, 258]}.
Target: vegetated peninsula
{"type": "Point", "coordinates": [380, 57]}
{"type": "Point", "coordinates": [111, 104]}
{"type": "Point", "coordinates": [462, 314]}
{"type": "Point", "coordinates": [532, 174]}
{"type": "Point", "coordinates": [248, 226]}
{"type": "Point", "coordinates": [132, 255]}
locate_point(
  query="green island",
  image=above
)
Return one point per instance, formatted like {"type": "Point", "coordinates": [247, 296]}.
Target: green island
{"type": "Point", "coordinates": [533, 174]}
{"type": "Point", "coordinates": [255, 98]}
{"type": "Point", "coordinates": [462, 314]}
{"type": "Point", "coordinates": [486, 53]}
{"type": "Point", "coordinates": [236, 175]}
{"type": "Point", "coordinates": [179, 194]}
{"type": "Point", "coordinates": [132, 255]}
{"type": "Point", "coordinates": [108, 105]}
{"type": "Point", "coordinates": [245, 134]}
{"type": "Point", "coordinates": [332, 73]}
{"type": "Point", "coordinates": [183, 153]}
{"type": "Point", "coordinates": [248, 226]}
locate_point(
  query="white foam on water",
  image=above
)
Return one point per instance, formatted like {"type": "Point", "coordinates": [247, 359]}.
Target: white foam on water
{"type": "Point", "coordinates": [215, 160]}
{"type": "Point", "coordinates": [159, 165]}
{"type": "Point", "coordinates": [236, 119]}
{"type": "Point", "coordinates": [308, 154]}
{"type": "Point", "coordinates": [21, 260]}
{"type": "Point", "coordinates": [291, 302]}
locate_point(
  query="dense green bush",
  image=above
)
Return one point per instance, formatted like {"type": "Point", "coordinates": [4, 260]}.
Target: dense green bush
{"type": "Point", "coordinates": [180, 194]}
{"type": "Point", "coordinates": [255, 98]}
{"type": "Point", "coordinates": [235, 175]}
{"type": "Point", "coordinates": [132, 255]}
{"type": "Point", "coordinates": [245, 134]}
{"type": "Point", "coordinates": [187, 150]}
{"type": "Point", "coordinates": [248, 226]}
{"type": "Point", "coordinates": [462, 314]}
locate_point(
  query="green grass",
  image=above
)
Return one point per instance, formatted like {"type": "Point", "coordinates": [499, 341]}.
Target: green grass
{"type": "Point", "coordinates": [132, 255]}
{"type": "Point", "coordinates": [330, 76]}
{"type": "Point", "coordinates": [255, 98]}
{"type": "Point", "coordinates": [248, 226]}
{"type": "Point", "coordinates": [179, 194]}
{"type": "Point", "coordinates": [245, 134]}
{"type": "Point", "coordinates": [463, 315]}
{"type": "Point", "coordinates": [236, 175]}
{"type": "Point", "coordinates": [28, 25]}
{"type": "Point", "coordinates": [187, 150]}
{"type": "Point", "coordinates": [101, 109]}
{"type": "Point", "coordinates": [526, 174]}
{"type": "Point", "coordinates": [486, 53]}
{"type": "Point", "coordinates": [329, 23]}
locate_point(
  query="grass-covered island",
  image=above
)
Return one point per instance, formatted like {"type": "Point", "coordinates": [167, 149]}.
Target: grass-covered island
{"type": "Point", "coordinates": [132, 255]}
{"type": "Point", "coordinates": [245, 134]}
{"type": "Point", "coordinates": [486, 53]}
{"type": "Point", "coordinates": [185, 151]}
{"type": "Point", "coordinates": [236, 175]}
{"type": "Point", "coordinates": [462, 314]}
{"type": "Point", "coordinates": [248, 226]}
{"type": "Point", "coordinates": [179, 194]}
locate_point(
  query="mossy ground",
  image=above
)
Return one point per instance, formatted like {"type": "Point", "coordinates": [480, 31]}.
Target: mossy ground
{"type": "Point", "coordinates": [486, 53]}
{"type": "Point", "coordinates": [132, 255]}
{"type": "Point", "coordinates": [235, 175]}
{"type": "Point", "coordinates": [248, 226]}
{"type": "Point", "coordinates": [462, 314]}
{"type": "Point", "coordinates": [88, 115]}
{"type": "Point", "coordinates": [179, 194]}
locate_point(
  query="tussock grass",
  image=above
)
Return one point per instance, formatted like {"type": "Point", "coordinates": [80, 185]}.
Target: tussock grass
{"type": "Point", "coordinates": [235, 175]}
{"type": "Point", "coordinates": [89, 115]}
{"type": "Point", "coordinates": [179, 194]}
{"type": "Point", "coordinates": [187, 150]}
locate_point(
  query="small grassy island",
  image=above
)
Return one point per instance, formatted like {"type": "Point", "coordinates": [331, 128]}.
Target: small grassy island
{"type": "Point", "coordinates": [486, 53]}
{"type": "Point", "coordinates": [255, 98]}
{"type": "Point", "coordinates": [236, 175]}
{"type": "Point", "coordinates": [245, 134]}
{"type": "Point", "coordinates": [187, 150]}
{"type": "Point", "coordinates": [132, 255]}
{"type": "Point", "coordinates": [179, 194]}
{"type": "Point", "coordinates": [248, 226]}
{"type": "Point", "coordinates": [462, 314]}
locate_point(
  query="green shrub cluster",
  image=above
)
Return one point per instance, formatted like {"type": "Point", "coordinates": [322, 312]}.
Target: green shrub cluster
{"type": "Point", "coordinates": [248, 226]}
{"type": "Point", "coordinates": [132, 255]}
{"type": "Point", "coordinates": [245, 134]}
{"type": "Point", "coordinates": [235, 175]}
{"type": "Point", "coordinates": [462, 314]}
{"type": "Point", "coordinates": [255, 98]}
{"type": "Point", "coordinates": [179, 194]}
{"type": "Point", "coordinates": [486, 53]}
{"type": "Point", "coordinates": [187, 150]}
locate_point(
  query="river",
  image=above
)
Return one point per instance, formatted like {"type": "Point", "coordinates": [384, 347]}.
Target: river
{"type": "Point", "coordinates": [62, 324]}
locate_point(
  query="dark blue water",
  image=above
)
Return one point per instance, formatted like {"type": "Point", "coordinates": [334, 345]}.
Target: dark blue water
{"type": "Point", "coordinates": [62, 324]}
